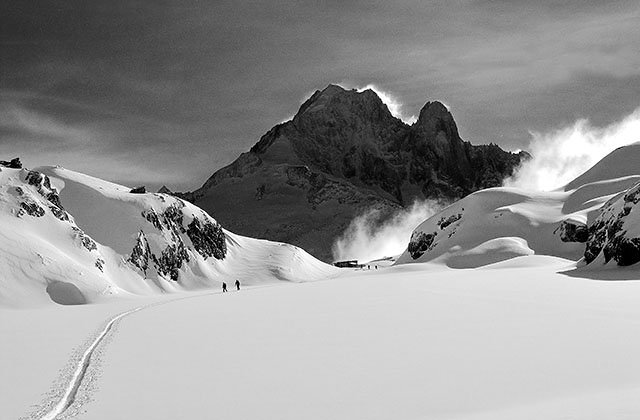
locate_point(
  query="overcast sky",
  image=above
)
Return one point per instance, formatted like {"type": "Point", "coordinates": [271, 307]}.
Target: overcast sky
{"type": "Point", "coordinates": [166, 92]}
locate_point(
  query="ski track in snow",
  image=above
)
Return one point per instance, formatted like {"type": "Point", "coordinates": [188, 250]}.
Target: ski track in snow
{"type": "Point", "coordinates": [72, 388]}
{"type": "Point", "coordinates": [56, 406]}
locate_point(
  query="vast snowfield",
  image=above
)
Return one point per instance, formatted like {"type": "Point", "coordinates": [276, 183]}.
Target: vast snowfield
{"type": "Point", "coordinates": [491, 312]}
{"type": "Point", "coordinates": [512, 340]}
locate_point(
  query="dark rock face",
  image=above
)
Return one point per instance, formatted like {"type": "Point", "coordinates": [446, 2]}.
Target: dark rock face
{"type": "Point", "coordinates": [164, 190]}
{"type": "Point", "coordinates": [173, 217]}
{"type": "Point", "coordinates": [13, 163]}
{"type": "Point", "coordinates": [207, 238]}
{"type": "Point", "coordinates": [49, 198]}
{"type": "Point", "coordinates": [139, 190]}
{"type": "Point", "coordinates": [88, 243]}
{"type": "Point", "coordinates": [59, 213]}
{"type": "Point", "coordinates": [171, 259]}
{"type": "Point", "coordinates": [626, 251]}
{"type": "Point", "coordinates": [100, 264]}
{"type": "Point", "coordinates": [572, 231]}
{"type": "Point", "coordinates": [596, 241]}
{"type": "Point", "coordinates": [32, 209]}
{"type": "Point", "coordinates": [342, 154]}
{"type": "Point", "coordinates": [152, 217]}
{"type": "Point", "coordinates": [141, 253]}
{"type": "Point", "coordinates": [444, 222]}
{"type": "Point", "coordinates": [609, 234]}
{"type": "Point", "coordinates": [420, 243]}
{"type": "Point", "coordinates": [44, 188]}
{"type": "Point", "coordinates": [170, 219]}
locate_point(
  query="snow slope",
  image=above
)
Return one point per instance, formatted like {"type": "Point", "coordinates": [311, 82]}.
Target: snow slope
{"type": "Point", "coordinates": [70, 238]}
{"type": "Point", "coordinates": [502, 223]}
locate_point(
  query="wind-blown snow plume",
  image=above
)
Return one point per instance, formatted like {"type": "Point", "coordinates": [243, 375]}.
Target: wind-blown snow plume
{"type": "Point", "coordinates": [369, 237]}
{"type": "Point", "coordinates": [395, 107]}
{"type": "Point", "coordinates": [561, 155]}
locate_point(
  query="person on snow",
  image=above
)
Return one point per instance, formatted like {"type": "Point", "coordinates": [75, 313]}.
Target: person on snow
{"type": "Point", "coordinates": [238, 284]}
{"type": "Point", "coordinates": [224, 287]}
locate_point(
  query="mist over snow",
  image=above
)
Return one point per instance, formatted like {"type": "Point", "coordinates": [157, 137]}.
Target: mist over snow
{"type": "Point", "coordinates": [561, 155]}
{"type": "Point", "coordinates": [368, 237]}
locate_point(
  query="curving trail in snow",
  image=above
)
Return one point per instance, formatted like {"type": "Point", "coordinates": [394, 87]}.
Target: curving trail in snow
{"type": "Point", "coordinates": [84, 362]}
{"type": "Point", "coordinates": [59, 409]}
{"type": "Point", "coordinates": [72, 388]}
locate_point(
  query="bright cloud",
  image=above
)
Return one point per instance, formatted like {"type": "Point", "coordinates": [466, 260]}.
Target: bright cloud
{"type": "Point", "coordinates": [369, 237]}
{"type": "Point", "coordinates": [561, 155]}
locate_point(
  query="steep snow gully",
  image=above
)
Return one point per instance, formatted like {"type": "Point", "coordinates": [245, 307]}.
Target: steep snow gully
{"type": "Point", "coordinates": [57, 404]}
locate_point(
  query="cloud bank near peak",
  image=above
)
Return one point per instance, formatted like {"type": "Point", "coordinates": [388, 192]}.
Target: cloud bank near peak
{"type": "Point", "coordinates": [561, 155]}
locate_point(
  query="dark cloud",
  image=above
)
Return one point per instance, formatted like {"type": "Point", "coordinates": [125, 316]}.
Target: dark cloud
{"type": "Point", "coordinates": [168, 91]}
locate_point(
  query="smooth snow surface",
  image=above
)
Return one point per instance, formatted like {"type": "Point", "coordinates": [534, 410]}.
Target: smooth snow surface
{"type": "Point", "coordinates": [510, 340]}
{"type": "Point", "coordinates": [620, 163]}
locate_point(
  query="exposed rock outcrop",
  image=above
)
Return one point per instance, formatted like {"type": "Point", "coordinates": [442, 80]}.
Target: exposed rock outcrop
{"type": "Point", "coordinates": [31, 208]}
{"type": "Point", "coordinates": [206, 236]}
{"type": "Point", "coordinates": [444, 221]}
{"type": "Point", "coordinates": [86, 241]}
{"type": "Point", "coordinates": [572, 231]}
{"type": "Point", "coordinates": [170, 261]}
{"type": "Point", "coordinates": [420, 243]}
{"type": "Point", "coordinates": [44, 188]}
{"type": "Point", "coordinates": [13, 163]}
{"type": "Point", "coordinates": [615, 234]}
{"type": "Point", "coordinates": [141, 253]}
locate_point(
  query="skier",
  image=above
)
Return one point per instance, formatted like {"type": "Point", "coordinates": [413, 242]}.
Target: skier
{"type": "Point", "coordinates": [224, 287]}
{"type": "Point", "coordinates": [238, 284]}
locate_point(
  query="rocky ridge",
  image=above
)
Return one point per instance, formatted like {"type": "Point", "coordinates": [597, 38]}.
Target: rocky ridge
{"type": "Point", "coordinates": [175, 242]}
{"type": "Point", "coordinates": [615, 234]}
{"type": "Point", "coordinates": [343, 153]}
{"type": "Point", "coordinates": [70, 238]}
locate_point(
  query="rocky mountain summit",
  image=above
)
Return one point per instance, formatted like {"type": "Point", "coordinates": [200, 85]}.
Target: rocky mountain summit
{"type": "Point", "coordinates": [342, 154]}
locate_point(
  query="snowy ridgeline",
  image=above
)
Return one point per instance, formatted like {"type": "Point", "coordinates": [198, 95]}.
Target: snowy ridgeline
{"type": "Point", "coordinates": [71, 238]}
{"type": "Point", "coordinates": [593, 219]}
